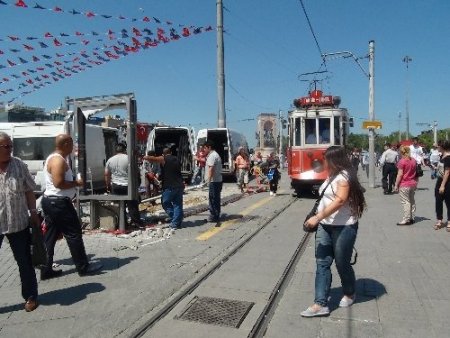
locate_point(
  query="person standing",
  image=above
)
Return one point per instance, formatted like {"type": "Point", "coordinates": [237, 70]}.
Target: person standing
{"type": "Point", "coordinates": [116, 179]}
{"type": "Point", "coordinates": [200, 158]}
{"type": "Point", "coordinates": [243, 166]}
{"type": "Point", "coordinates": [388, 162]}
{"type": "Point", "coordinates": [273, 175]}
{"type": "Point", "coordinates": [336, 220]}
{"type": "Point", "coordinates": [442, 188]}
{"type": "Point", "coordinates": [213, 176]}
{"type": "Point", "coordinates": [59, 212]}
{"type": "Point", "coordinates": [435, 157]}
{"type": "Point", "coordinates": [416, 151]}
{"type": "Point", "coordinates": [17, 202]}
{"type": "Point", "coordinates": [172, 186]}
{"type": "Point", "coordinates": [406, 184]}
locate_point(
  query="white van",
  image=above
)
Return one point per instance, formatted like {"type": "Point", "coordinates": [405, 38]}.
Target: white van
{"type": "Point", "coordinates": [226, 142]}
{"type": "Point", "coordinates": [34, 141]}
{"type": "Point", "coordinates": [179, 140]}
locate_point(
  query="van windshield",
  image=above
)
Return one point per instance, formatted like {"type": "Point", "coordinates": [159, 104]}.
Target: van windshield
{"type": "Point", "coordinates": [33, 148]}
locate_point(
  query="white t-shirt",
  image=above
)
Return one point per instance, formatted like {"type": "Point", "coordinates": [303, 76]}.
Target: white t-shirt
{"type": "Point", "coordinates": [214, 160]}
{"type": "Point", "coordinates": [416, 153]}
{"type": "Point", "coordinates": [343, 216]}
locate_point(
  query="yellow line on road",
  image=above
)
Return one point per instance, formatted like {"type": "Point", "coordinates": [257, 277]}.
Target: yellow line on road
{"type": "Point", "coordinates": [223, 225]}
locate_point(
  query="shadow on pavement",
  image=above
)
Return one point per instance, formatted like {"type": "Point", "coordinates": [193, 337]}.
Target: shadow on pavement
{"type": "Point", "coordinates": [109, 263]}
{"type": "Point", "coordinates": [70, 295]}
{"type": "Point", "coordinates": [367, 290]}
{"type": "Point", "coordinates": [11, 308]}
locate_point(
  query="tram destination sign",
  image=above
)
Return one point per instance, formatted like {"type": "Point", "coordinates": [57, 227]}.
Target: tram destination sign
{"type": "Point", "coordinates": [372, 125]}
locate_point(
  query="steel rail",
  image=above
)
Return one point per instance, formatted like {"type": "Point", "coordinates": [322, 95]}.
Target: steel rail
{"type": "Point", "coordinates": [165, 310]}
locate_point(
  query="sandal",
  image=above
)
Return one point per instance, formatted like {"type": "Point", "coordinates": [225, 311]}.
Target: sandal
{"type": "Point", "coordinates": [439, 225]}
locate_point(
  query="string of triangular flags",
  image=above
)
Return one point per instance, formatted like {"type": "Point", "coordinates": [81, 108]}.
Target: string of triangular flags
{"type": "Point", "coordinates": [96, 59]}
{"type": "Point", "coordinates": [148, 42]}
{"type": "Point", "coordinates": [88, 14]}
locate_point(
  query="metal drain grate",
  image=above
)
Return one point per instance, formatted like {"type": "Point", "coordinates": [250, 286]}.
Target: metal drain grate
{"type": "Point", "coordinates": [216, 311]}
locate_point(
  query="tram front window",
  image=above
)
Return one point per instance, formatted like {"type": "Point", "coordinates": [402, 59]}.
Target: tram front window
{"type": "Point", "coordinates": [324, 131]}
{"type": "Point", "coordinates": [310, 131]}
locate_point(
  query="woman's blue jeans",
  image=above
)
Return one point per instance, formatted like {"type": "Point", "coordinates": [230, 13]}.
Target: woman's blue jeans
{"type": "Point", "coordinates": [334, 243]}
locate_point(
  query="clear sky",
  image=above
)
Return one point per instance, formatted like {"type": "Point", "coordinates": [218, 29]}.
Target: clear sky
{"type": "Point", "coordinates": [268, 44]}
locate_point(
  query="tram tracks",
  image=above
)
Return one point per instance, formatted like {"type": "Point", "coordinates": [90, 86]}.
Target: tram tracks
{"type": "Point", "coordinates": [264, 318]}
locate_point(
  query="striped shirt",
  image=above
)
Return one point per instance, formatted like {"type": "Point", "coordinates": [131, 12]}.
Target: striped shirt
{"type": "Point", "coordinates": [14, 183]}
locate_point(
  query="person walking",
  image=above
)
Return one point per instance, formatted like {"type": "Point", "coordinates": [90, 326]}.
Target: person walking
{"type": "Point", "coordinates": [336, 221]}
{"type": "Point", "coordinates": [17, 204]}
{"type": "Point", "coordinates": [435, 157]}
{"type": "Point", "coordinates": [200, 158]}
{"type": "Point", "coordinates": [388, 162]}
{"type": "Point", "coordinates": [116, 179]}
{"type": "Point", "coordinates": [406, 184]}
{"type": "Point", "coordinates": [442, 188]}
{"type": "Point", "coordinates": [59, 212]}
{"type": "Point", "coordinates": [243, 165]}
{"type": "Point", "coordinates": [213, 176]}
{"type": "Point", "coordinates": [273, 175]}
{"type": "Point", "coordinates": [172, 186]}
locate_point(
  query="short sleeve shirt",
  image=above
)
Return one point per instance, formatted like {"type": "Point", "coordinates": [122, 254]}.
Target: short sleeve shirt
{"type": "Point", "coordinates": [118, 167]}
{"type": "Point", "coordinates": [342, 216]}
{"type": "Point", "coordinates": [409, 172]}
{"type": "Point", "coordinates": [214, 160]}
{"type": "Point", "coordinates": [14, 183]}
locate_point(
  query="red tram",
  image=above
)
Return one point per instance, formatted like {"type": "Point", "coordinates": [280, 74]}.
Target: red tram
{"type": "Point", "coordinates": [315, 124]}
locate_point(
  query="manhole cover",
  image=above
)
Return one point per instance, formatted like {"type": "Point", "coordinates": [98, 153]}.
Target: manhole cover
{"type": "Point", "coordinates": [216, 311]}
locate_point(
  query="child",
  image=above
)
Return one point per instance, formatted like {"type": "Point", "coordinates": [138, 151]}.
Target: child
{"type": "Point", "coordinates": [273, 176]}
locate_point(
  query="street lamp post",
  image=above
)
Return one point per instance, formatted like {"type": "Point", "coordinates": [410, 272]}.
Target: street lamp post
{"type": "Point", "coordinates": [399, 127]}
{"type": "Point", "coordinates": [371, 76]}
{"type": "Point", "coordinates": [407, 60]}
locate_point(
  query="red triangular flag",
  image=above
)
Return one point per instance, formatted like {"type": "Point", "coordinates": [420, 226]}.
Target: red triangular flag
{"type": "Point", "coordinates": [21, 3]}
{"type": "Point", "coordinates": [56, 42]}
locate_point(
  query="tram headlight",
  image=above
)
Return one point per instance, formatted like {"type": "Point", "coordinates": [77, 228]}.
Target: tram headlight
{"type": "Point", "coordinates": [317, 165]}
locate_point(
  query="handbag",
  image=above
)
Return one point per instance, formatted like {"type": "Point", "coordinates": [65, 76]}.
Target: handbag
{"type": "Point", "coordinates": [419, 170]}
{"type": "Point", "coordinates": [313, 211]}
{"type": "Point", "coordinates": [38, 250]}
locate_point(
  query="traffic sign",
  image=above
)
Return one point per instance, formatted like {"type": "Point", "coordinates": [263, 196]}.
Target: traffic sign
{"type": "Point", "coordinates": [371, 125]}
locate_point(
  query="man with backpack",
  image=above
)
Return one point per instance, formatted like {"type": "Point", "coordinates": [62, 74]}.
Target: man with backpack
{"type": "Point", "coordinates": [273, 174]}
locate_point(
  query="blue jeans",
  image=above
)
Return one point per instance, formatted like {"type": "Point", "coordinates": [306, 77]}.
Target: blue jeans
{"type": "Point", "coordinates": [20, 243]}
{"type": "Point", "coordinates": [199, 171]}
{"type": "Point", "coordinates": [172, 202]}
{"type": "Point", "coordinates": [334, 242]}
{"type": "Point", "coordinates": [215, 189]}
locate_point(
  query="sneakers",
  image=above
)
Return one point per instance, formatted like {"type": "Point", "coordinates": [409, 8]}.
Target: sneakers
{"type": "Point", "coordinates": [347, 301]}
{"type": "Point", "coordinates": [322, 312]}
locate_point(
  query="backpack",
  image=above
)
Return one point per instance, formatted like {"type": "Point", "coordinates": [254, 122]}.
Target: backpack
{"type": "Point", "coordinates": [271, 174]}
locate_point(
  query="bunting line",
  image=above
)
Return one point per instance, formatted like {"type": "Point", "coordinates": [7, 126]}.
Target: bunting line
{"type": "Point", "coordinates": [87, 14]}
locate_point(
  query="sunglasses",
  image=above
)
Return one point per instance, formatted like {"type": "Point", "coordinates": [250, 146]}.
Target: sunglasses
{"type": "Point", "coordinates": [6, 146]}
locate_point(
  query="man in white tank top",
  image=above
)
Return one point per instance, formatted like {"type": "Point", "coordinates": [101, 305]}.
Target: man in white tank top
{"type": "Point", "coordinates": [59, 212]}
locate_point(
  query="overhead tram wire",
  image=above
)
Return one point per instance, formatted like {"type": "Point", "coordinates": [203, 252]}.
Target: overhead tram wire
{"type": "Point", "coordinates": [312, 32]}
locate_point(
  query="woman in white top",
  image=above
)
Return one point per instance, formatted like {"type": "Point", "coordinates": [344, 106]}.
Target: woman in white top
{"type": "Point", "coordinates": [337, 225]}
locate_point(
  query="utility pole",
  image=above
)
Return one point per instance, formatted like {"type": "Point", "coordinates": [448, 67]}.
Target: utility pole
{"type": "Point", "coordinates": [221, 117]}
{"type": "Point", "coordinates": [371, 76]}
{"type": "Point", "coordinates": [434, 132]}
{"type": "Point", "coordinates": [399, 127]}
{"type": "Point", "coordinates": [407, 60]}
{"type": "Point", "coordinates": [280, 132]}
{"type": "Point", "coordinates": [371, 114]}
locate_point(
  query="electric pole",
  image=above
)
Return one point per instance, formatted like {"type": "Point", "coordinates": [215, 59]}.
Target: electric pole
{"type": "Point", "coordinates": [407, 60]}
{"type": "Point", "coordinates": [221, 117]}
{"type": "Point", "coordinates": [371, 114]}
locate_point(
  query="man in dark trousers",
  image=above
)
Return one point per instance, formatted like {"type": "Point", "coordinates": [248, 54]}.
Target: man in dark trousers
{"type": "Point", "coordinates": [59, 212]}
{"type": "Point", "coordinates": [116, 179]}
{"type": "Point", "coordinates": [388, 162]}
{"type": "Point", "coordinates": [213, 176]}
{"type": "Point", "coordinates": [172, 186]}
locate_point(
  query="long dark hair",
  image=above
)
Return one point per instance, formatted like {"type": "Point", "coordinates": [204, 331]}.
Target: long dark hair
{"type": "Point", "coordinates": [338, 161]}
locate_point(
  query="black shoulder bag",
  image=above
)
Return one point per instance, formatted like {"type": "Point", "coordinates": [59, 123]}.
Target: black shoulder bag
{"type": "Point", "coordinates": [313, 211]}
